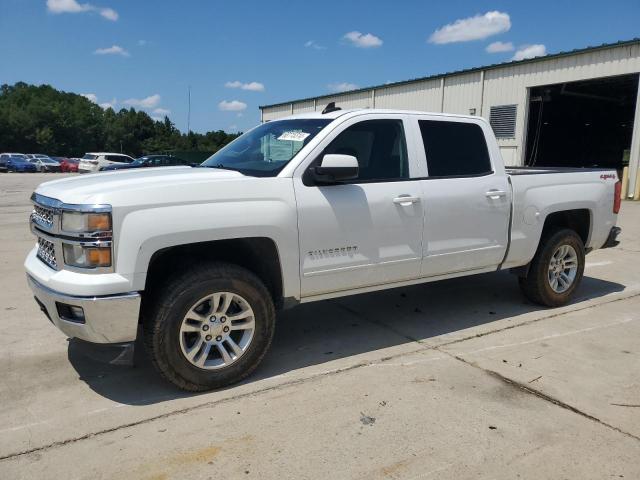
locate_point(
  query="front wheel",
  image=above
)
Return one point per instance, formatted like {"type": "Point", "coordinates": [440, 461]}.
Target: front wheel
{"type": "Point", "coordinates": [556, 270]}
{"type": "Point", "coordinates": [209, 327]}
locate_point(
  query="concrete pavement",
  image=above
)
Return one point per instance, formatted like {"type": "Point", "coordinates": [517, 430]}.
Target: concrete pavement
{"type": "Point", "coordinates": [456, 379]}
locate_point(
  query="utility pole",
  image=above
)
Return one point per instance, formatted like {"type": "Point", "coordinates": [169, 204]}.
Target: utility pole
{"type": "Point", "coordinates": [189, 111]}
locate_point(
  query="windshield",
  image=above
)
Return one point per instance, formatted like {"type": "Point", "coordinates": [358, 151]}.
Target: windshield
{"type": "Point", "coordinates": [89, 156]}
{"type": "Point", "coordinates": [46, 160]}
{"type": "Point", "coordinates": [265, 150]}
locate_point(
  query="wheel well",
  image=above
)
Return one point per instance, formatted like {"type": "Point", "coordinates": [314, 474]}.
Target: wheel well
{"type": "Point", "coordinates": [577, 220]}
{"type": "Point", "coordinates": [258, 255]}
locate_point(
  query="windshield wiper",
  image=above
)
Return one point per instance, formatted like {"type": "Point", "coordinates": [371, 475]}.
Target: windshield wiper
{"type": "Point", "coordinates": [220, 166]}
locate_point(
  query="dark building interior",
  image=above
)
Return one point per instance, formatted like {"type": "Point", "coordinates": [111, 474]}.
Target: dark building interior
{"type": "Point", "coordinates": [582, 124]}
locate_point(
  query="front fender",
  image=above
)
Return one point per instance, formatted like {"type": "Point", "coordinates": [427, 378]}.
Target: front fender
{"type": "Point", "coordinates": [144, 232]}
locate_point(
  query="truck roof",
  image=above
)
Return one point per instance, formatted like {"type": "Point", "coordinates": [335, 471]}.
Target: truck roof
{"type": "Point", "coordinates": [358, 111]}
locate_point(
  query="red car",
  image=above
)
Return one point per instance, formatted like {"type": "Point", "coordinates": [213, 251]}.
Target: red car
{"type": "Point", "coordinates": [69, 164]}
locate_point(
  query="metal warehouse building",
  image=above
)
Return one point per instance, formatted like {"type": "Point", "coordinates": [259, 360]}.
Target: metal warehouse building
{"type": "Point", "coordinates": [577, 108]}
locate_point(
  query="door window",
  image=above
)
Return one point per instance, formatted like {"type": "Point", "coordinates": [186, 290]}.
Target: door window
{"type": "Point", "coordinates": [454, 149]}
{"type": "Point", "coordinates": [379, 146]}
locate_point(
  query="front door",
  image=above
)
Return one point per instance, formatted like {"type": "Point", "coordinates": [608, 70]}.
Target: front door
{"type": "Point", "coordinates": [367, 231]}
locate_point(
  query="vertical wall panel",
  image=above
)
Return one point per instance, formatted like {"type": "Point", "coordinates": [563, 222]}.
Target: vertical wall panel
{"type": "Point", "coordinates": [273, 113]}
{"type": "Point", "coordinates": [303, 107]}
{"type": "Point", "coordinates": [462, 93]}
{"type": "Point", "coordinates": [423, 96]}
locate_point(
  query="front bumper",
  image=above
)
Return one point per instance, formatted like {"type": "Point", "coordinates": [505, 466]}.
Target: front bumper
{"type": "Point", "coordinates": [107, 319]}
{"type": "Point", "coordinates": [612, 239]}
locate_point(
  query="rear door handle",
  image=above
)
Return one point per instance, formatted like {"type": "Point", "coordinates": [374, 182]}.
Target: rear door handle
{"type": "Point", "coordinates": [495, 194]}
{"type": "Point", "coordinates": [405, 200]}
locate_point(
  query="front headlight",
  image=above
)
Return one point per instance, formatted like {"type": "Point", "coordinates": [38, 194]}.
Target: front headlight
{"type": "Point", "coordinates": [86, 222]}
{"type": "Point", "coordinates": [86, 257]}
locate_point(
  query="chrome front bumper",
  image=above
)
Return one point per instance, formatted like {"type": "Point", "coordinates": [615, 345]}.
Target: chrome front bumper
{"type": "Point", "coordinates": [107, 319]}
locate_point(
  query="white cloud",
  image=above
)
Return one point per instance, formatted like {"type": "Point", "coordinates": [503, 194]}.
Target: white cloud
{"type": "Point", "coordinates": [498, 47]}
{"type": "Point", "coordinates": [108, 13]}
{"type": "Point", "coordinates": [92, 97]}
{"type": "Point", "coordinates": [472, 28]}
{"type": "Point", "coordinates": [233, 128]}
{"type": "Point", "coordinates": [232, 106]}
{"type": "Point", "coordinates": [342, 87]}
{"type": "Point", "coordinates": [162, 111]}
{"type": "Point", "coordinates": [253, 86]}
{"type": "Point", "coordinates": [313, 44]}
{"type": "Point", "coordinates": [362, 40]}
{"type": "Point", "coordinates": [142, 43]}
{"type": "Point", "coordinates": [112, 50]}
{"type": "Point", "coordinates": [529, 51]}
{"type": "Point", "coordinates": [151, 101]}
{"type": "Point", "coordinates": [72, 6]}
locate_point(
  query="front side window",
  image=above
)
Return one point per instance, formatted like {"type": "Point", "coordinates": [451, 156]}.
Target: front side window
{"type": "Point", "coordinates": [265, 150]}
{"type": "Point", "coordinates": [454, 149]}
{"type": "Point", "coordinates": [379, 146]}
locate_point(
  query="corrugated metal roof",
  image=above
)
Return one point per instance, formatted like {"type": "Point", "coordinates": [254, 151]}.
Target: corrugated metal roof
{"type": "Point", "coordinates": [621, 43]}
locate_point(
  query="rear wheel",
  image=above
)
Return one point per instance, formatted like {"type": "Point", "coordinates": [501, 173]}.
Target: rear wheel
{"type": "Point", "coordinates": [209, 327]}
{"type": "Point", "coordinates": [556, 270]}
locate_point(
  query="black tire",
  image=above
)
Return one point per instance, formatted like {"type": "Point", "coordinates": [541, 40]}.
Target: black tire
{"type": "Point", "coordinates": [165, 308]}
{"type": "Point", "coordinates": [536, 286]}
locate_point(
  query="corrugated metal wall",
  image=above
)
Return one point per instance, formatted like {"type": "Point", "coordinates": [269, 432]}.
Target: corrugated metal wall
{"type": "Point", "coordinates": [480, 90]}
{"type": "Point", "coordinates": [425, 95]}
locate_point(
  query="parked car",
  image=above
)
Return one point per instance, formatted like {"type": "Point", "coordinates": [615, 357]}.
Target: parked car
{"type": "Point", "coordinates": [311, 207]}
{"type": "Point", "coordinates": [69, 165]}
{"type": "Point", "coordinates": [20, 164]}
{"type": "Point", "coordinates": [149, 161]}
{"type": "Point", "coordinates": [93, 162]}
{"type": "Point", "coordinates": [44, 163]}
{"type": "Point", "coordinates": [4, 157]}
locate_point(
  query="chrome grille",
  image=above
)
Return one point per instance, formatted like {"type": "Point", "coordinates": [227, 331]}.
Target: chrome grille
{"type": "Point", "coordinates": [47, 252]}
{"type": "Point", "coordinates": [43, 216]}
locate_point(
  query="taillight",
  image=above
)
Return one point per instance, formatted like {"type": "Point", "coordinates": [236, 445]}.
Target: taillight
{"type": "Point", "coordinates": [616, 197]}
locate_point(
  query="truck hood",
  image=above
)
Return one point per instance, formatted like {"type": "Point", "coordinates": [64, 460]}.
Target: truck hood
{"type": "Point", "coordinates": [111, 186]}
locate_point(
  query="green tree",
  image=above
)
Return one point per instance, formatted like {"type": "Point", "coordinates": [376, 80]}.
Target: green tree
{"type": "Point", "coordinates": [41, 119]}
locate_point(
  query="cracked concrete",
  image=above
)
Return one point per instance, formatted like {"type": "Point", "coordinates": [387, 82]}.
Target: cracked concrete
{"type": "Point", "coordinates": [459, 379]}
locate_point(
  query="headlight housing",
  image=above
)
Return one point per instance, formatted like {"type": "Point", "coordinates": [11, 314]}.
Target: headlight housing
{"type": "Point", "coordinates": [91, 256]}
{"type": "Point", "coordinates": [79, 222]}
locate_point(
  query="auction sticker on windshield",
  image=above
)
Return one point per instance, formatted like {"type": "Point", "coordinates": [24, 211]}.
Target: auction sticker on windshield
{"type": "Point", "coordinates": [294, 136]}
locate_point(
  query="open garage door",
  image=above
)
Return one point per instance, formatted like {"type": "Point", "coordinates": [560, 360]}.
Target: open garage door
{"type": "Point", "coordinates": [582, 124]}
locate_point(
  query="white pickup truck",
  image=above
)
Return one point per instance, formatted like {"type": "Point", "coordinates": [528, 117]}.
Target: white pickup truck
{"type": "Point", "coordinates": [307, 208]}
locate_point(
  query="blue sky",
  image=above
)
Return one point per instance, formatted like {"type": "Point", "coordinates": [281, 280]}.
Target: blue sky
{"type": "Point", "coordinates": [238, 55]}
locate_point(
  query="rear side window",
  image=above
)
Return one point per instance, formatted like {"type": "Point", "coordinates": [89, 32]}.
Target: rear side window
{"type": "Point", "coordinates": [454, 149]}
{"type": "Point", "coordinates": [117, 158]}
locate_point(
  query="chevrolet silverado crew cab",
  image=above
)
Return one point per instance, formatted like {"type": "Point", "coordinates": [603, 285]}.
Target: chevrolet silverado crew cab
{"type": "Point", "coordinates": [311, 207]}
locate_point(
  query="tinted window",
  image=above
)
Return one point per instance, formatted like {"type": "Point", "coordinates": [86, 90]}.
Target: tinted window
{"type": "Point", "coordinates": [89, 156]}
{"type": "Point", "coordinates": [454, 149]}
{"type": "Point", "coordinates": [379, 146]}
{"type": "Point", "coordinates": [118, 158]}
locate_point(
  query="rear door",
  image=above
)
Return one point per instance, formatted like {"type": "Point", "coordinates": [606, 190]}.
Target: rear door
{"type": "Point", "coordinates": [365, 231]}
{"type": "Point", "coordinates": [466, 195]}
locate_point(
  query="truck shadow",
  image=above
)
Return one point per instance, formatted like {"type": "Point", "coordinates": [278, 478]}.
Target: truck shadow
{"type": "Point", "coordinates": [318, 333]}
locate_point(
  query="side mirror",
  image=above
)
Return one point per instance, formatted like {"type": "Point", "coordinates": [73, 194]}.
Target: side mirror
{"type": "Point", "coordinates": [336, 168]}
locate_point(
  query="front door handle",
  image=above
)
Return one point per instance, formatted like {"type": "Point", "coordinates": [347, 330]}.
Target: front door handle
{"type": "Point", "coordinates": [405, 200]}
{"type": "Point", "coordinates": [495, 194]}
